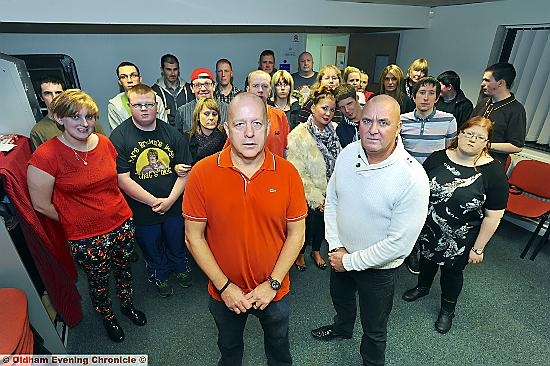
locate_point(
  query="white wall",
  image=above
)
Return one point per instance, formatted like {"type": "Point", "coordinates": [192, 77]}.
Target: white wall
{"type": "Point", "coordinates": [218, 12]}
{"type": "Point", "coordinates": [461, 37]}
{"type": "Point", "coordinates": [97, 55]}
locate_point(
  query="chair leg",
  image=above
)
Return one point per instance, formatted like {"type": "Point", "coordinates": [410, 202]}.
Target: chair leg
{"type": "Point", "coordinates": [542, 241]}
{"type": "Point", "coordinates": [534, 236]}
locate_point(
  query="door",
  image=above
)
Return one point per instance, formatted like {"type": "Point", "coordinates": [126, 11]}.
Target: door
{"type": "Point", "coordinates": [371, 52]}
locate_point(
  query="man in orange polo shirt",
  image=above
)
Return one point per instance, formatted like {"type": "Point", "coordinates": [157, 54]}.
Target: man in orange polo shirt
{"type": "Point", "coordinates": [259, 83]}
{"type": "Point", "coordinates": [246, 236]}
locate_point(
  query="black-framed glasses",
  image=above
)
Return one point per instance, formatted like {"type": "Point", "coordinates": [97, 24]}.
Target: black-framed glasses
{"type": "Point", "coordinates": [143, 105]}
{"type": "Point", "coordinates": [469, 135]}
{"type": "Point", "coordinates": [206, 84]}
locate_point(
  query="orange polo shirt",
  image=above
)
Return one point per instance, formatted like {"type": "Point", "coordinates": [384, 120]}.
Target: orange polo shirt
{"type": "Point", "coordinates": [278, 132]}
{"type": "Point", "coordinates": [246, 217]}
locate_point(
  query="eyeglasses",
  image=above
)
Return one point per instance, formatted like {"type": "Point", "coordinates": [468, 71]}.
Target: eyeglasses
{"type": "Point", "coordinates": [131, 76]}
{"type": "Point", "coordinates": [240, 125]}
{"type": "Point", "coordinates": [471, 135]}
{"type": "Point", "coordinates": [143, 105]}
{"type": "Point", "coordinates": [206, 84]}
{"type": "Point", "coordinates": [281, 85]}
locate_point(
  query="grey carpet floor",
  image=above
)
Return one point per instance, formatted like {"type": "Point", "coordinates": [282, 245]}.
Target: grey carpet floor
{"type": "Point", "coordinates": [501, 318]}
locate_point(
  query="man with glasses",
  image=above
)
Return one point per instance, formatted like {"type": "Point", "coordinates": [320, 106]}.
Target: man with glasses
{"type": "Point", "coordinates": [247, 268]}
{"type": "Point", "coordinates": [148, 151]}
{"type": "Point", "coordinates": [424, 131]}
{"type": "Point", "coordinates": [118, 108]}
{"type": "Point", "coordinates": [203, 85]}
{"type": "Point", "coordinates": [259, 83]}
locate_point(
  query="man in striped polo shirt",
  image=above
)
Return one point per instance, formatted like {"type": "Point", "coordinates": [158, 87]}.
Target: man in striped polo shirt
{"type": "Point", "coordinates": [424, 131]}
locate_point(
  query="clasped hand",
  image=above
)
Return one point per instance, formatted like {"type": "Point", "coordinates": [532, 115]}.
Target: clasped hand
{"type": "Point", "coordinates": [239, 302]}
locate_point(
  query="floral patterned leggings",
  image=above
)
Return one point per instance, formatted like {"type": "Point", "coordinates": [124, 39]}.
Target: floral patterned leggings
{"type": "Point", "coordinates": [97, 254]}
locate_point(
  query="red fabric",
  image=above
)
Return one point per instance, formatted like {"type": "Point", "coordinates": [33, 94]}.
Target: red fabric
{"type": "Point", "coordinates": [368, 95]}
{"type": "Point", "coordinates": [43, 236]}
{"type": "Point", "coordinates": [86, 197]}
{"type": "Point", "coordinates": [15, 333]}
{"type": "Point", "coordinates": [246, 220]}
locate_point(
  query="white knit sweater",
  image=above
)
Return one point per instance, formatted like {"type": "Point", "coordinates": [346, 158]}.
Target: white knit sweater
{"type": "Point", "coordinates": [375, 211]}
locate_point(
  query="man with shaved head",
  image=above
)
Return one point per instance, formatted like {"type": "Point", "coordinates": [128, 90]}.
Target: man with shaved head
{"type": "Point", "coordinates": [376, 204]}
{"type": "Point", "coordinates": [247, 257]}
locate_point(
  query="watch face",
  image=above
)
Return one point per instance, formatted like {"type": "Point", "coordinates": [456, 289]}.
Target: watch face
{"type": "Point", "coordinates": [276, 285]}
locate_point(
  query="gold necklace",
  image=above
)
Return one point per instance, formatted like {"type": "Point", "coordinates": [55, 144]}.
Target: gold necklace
{"type": "Point", "coordinates": [78, 157]}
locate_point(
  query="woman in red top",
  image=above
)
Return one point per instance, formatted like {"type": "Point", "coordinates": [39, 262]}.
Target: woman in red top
{"type": "Point", "coordinates": [72, 178]}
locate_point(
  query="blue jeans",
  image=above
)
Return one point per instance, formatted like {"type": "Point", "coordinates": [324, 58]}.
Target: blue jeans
{"type": "Point", "coordinates": [274, 321]}
{"type": "Point", "coordinates": [375, 288]}
{"type": "Point", "coordinates": [163, 248]}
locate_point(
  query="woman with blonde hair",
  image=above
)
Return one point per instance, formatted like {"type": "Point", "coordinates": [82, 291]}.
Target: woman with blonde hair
{"type": "Point", "coordinates": [206, 136]}
{"type": "Point", "coordinates": [282, 85]}
{"type": "Point", "coordinates": [468, 196]}
{"type": "Point", "coordinates": [73, 179]}
{"type": "Point", "coordinates": [417, 70]}
{"type": "Point", "coordinates": [312, 148]}
{"type": "Point", "coordinates": [391, 79]}
{"type": "Point", "coordinates": [329, 76]}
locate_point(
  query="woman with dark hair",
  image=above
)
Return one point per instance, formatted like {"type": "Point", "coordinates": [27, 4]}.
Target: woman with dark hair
{"type": "Point", "coordinates": [207, 136]}
{"type": "Point", "coordinates": [329, 76]}
{"type": "Point", "coordinates": [282, 85]}
{"type": "Point", "coordinates": [72, 179]}
{"type": "Point", "coordinates": [468, 196]}
{"type": "Point", "coordinates": [391, 79]}
{"type": "Point", "coordinates": [312, 148]}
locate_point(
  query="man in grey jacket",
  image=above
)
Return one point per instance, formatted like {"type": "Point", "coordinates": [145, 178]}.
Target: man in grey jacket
{"type": "Point", "coordinates": [171, 88]}
{"type": "Point", "coordinates": [376, 205]}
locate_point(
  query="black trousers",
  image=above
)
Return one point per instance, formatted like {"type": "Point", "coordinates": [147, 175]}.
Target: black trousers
{"type": "Point", "coordinates": [315, 230]}
{"type": "Point", "coordinates": [451, 280]}
{"type": "Point", "coordinates": [375, 288]}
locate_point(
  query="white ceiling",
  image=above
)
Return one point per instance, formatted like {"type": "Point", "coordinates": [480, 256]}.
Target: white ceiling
{"type": "Point", "coordinates": [430, 3]}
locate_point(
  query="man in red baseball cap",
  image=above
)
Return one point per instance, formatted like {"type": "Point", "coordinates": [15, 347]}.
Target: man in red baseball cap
{"type": "Point", "coordinates": [203, 85]}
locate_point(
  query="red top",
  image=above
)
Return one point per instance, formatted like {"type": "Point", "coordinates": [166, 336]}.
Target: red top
{"type": "Point", "coordinates": [86, 197]}
{"type": "Point", "coordinates": [247, 218]}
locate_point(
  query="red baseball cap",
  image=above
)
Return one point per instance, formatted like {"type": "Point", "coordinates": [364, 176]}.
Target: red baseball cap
{"type": "Point", "coordinates": [201, 73]}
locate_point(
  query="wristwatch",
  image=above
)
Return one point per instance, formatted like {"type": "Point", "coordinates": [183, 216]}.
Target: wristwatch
{"type": "Point", "coordinates": [478, 251]}
{"type": "Point", "coordinates": [276, 285]}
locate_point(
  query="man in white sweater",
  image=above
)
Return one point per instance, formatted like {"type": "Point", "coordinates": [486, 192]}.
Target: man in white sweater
{"type": "Point", "coordinates": [376, 204]}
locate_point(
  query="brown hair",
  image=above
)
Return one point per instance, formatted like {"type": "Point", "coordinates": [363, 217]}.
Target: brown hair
{"type": "Point", "coordinates": [398, 73]}
{"type": "Point", "coordinates": [201, 103]}
{"type": "Point", "coordinates": [71, 102]}
{"type": "Point", "coordinates": [476, 121]}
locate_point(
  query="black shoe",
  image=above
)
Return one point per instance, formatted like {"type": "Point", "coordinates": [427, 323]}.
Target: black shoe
{"type": "Point", "coordinates": [137, 317]}
{"type": "Point", "coordinates": [444, 321]}
{"type": "Point", "coordinates": [134, 257]}
{"type": "Point", "coordinates": [114, 330]}
{"type": "Point", "coordinates": [327, 333]}
{"type": "Point", "coordinates": [412, 263]}
{"type": "Point", "coordinates": [320, 265]}
{"type": "Point", "coordinates": [415, 293]}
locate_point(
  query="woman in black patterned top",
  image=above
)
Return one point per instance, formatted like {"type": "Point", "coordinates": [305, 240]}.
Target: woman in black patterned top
{"type": "Point", "coordinates": [468, 195]}
{"type": "Point", "coordinates": [207, 136]}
